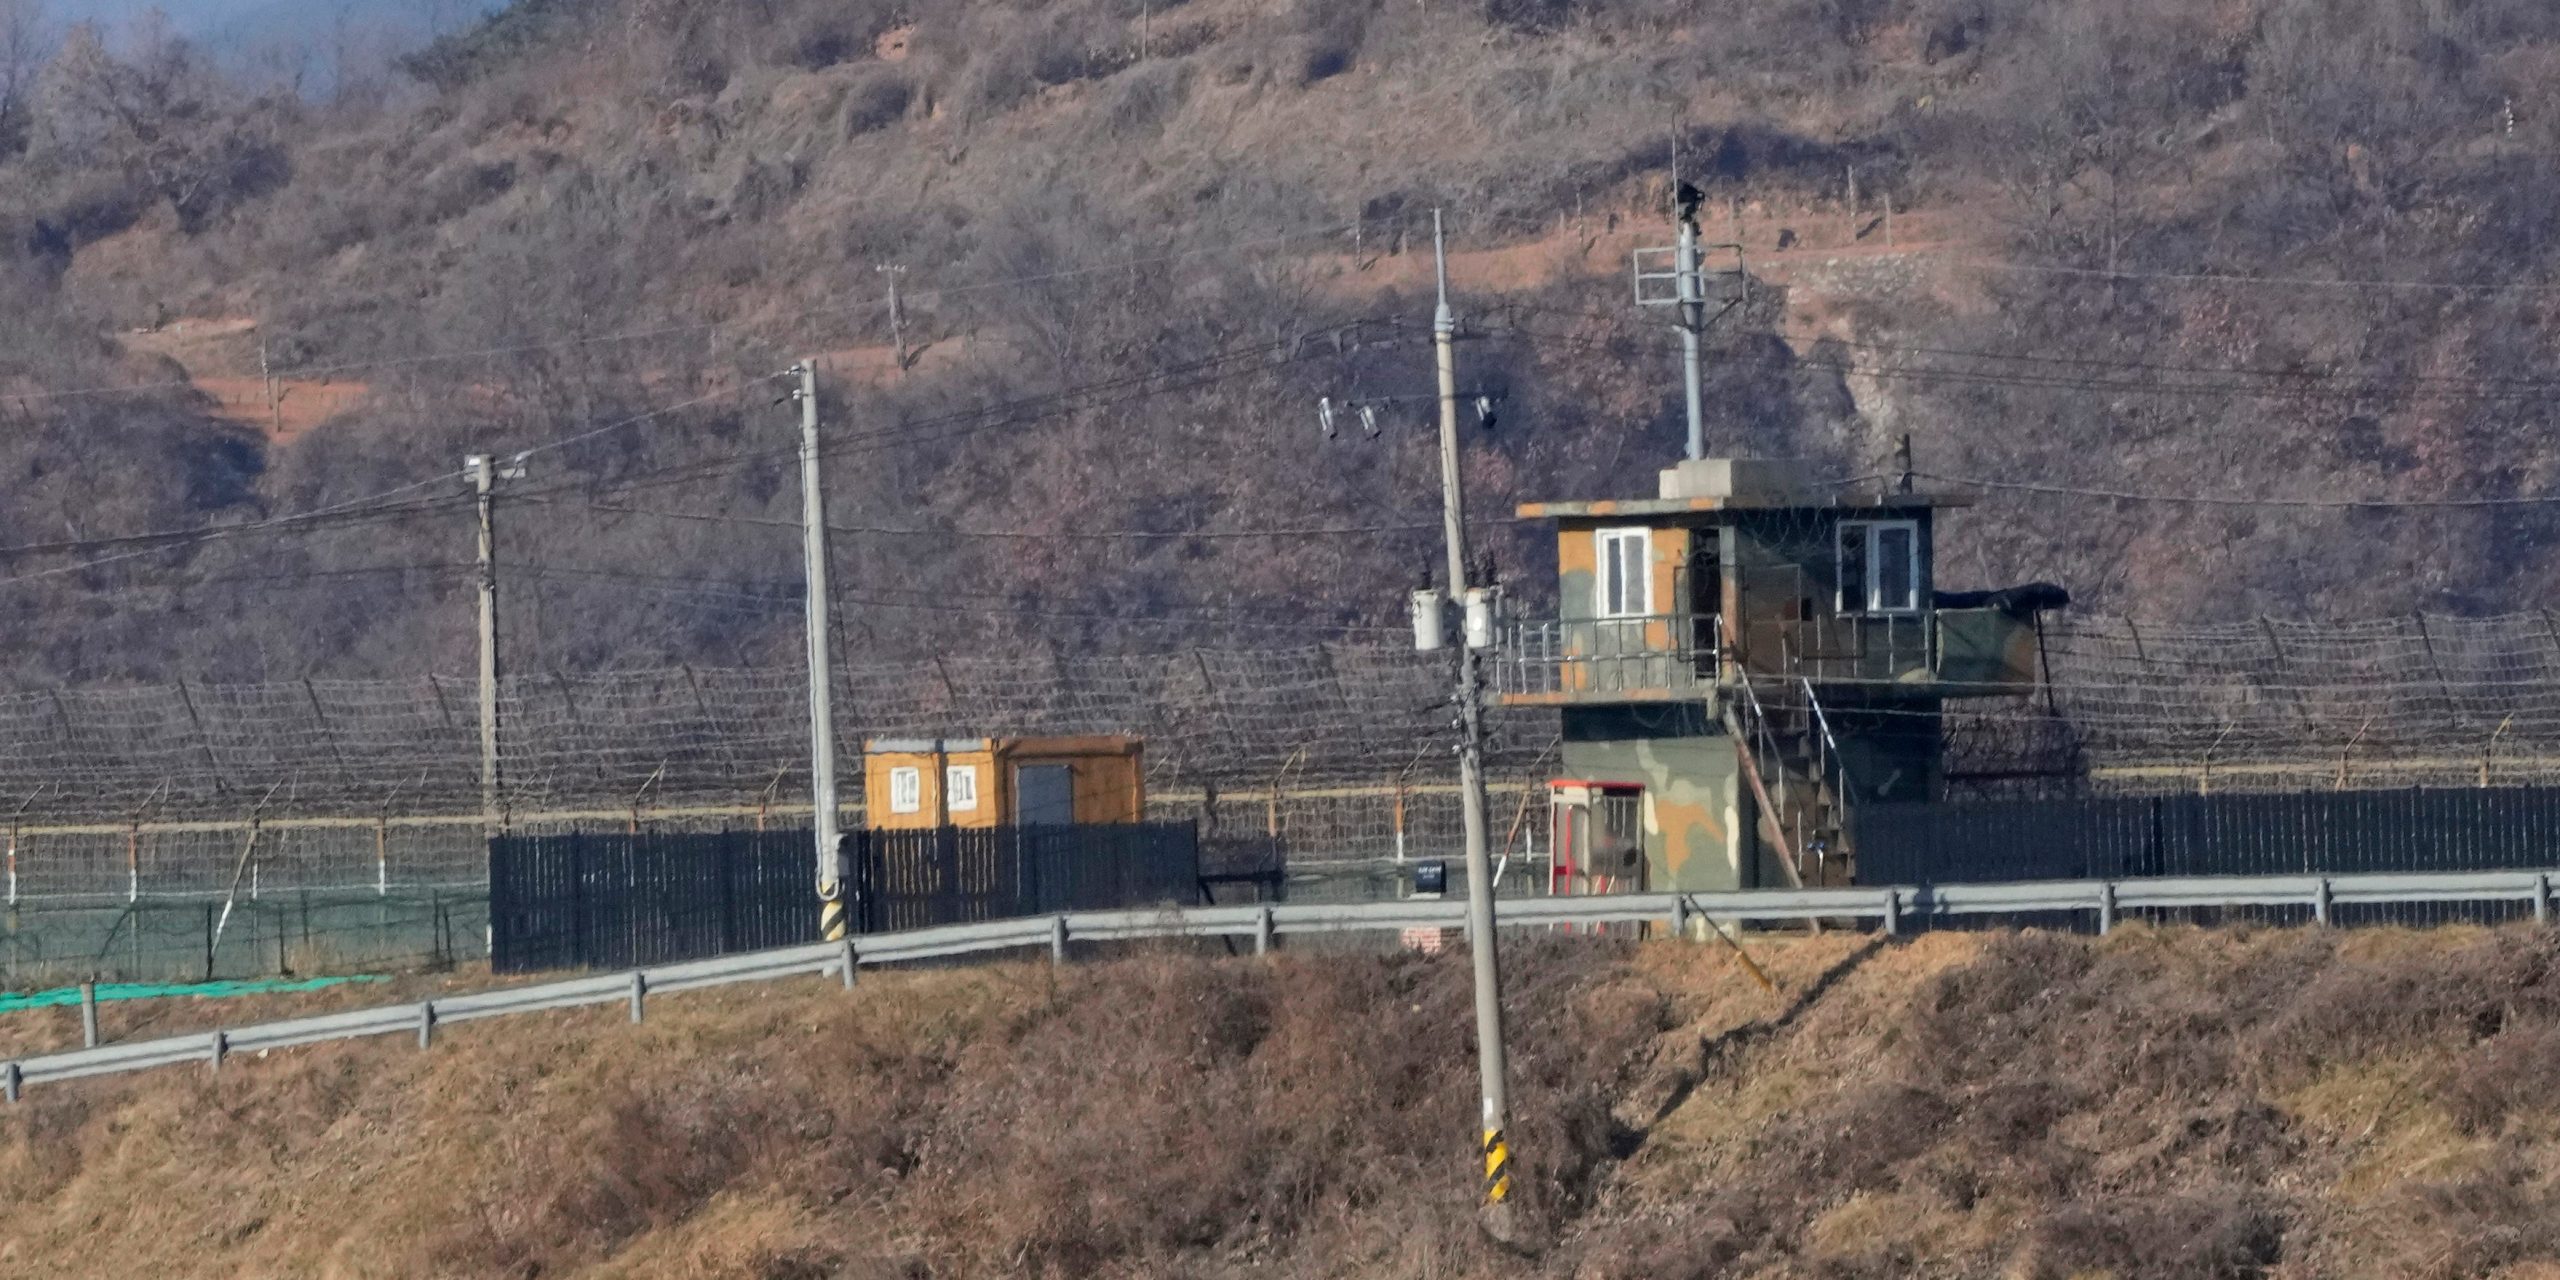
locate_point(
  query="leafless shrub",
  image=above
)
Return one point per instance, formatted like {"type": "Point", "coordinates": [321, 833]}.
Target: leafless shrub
{"type": "Point", "coordinates": [1144, 97]}
{"type": "Point", "coordinates": [2222, 1235]}
{"type": "Point", "coordinates": [877, 101]}
{"type": "Point", "coordinates": [2506, 1075]}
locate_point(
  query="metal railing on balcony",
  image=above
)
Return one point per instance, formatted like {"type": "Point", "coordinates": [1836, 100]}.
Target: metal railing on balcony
{"type": "Point", "coordinates": [1663, 655]}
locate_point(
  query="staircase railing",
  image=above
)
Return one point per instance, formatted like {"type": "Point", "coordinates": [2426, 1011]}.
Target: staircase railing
{"type": "Point", "coordinates": [1830, 764]}
{"type": "Point", "coordinates": [1748, 722]}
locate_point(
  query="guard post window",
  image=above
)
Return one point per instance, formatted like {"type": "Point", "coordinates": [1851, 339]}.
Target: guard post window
{"type": "Point", "coordinates": [1625, 584]}
{"type": "Point", "coordinates": [1879, 566]}
{"type": "Point", "coordinates": [906, 789]}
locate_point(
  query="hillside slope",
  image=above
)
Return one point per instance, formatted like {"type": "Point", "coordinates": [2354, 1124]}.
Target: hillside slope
{"type": "Point", "coordinates": [591, 211]}
{"type": "Point", "coordinates": [2160, 1104]}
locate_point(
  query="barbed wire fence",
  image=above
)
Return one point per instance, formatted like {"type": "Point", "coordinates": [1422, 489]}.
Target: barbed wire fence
{"type": "Point", "coordinates": [345, 819]}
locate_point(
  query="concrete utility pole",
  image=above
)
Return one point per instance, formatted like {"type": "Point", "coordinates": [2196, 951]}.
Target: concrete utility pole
{"type": "Point", "coordinates": [485, 474]}
{"type": "Point", "coordinates": [1491, 1064]}
{"type": "Point", "coordinates": [822, 721]}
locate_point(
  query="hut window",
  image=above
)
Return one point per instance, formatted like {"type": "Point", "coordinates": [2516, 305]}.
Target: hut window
{"type": "Point", "coordinates": [960, 782]}
{"type": "Point", "coordinates": [906, 789]}
{"type": "Point", "coordinates": [1879, 566]}
{"type": "Point", "coordinates": [1625, 583]}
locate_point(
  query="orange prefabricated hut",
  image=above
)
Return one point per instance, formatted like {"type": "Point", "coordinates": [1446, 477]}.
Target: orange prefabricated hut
{"type": "Point", "coordinates": [914, 783]}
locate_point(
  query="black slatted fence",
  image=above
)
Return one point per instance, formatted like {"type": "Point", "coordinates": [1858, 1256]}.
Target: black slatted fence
{"type": "Point", "coordinates": [951, 875]}
{"type": "Point", "coordinates": [619, 900]}
{"type": "Point", "coordinates": [616, 901]}
{"type": "Point", "coordinates": [2297, 833]}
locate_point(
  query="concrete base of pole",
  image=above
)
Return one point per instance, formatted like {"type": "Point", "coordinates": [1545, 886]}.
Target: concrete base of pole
{"type": "Point", "coordinates": [1506, 1225]}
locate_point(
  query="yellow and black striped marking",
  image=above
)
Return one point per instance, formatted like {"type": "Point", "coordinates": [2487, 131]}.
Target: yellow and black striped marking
{"type": "Point", "coordinates": [831, 923]}
{"type": "Point", "coordinates": [1497, 1167]}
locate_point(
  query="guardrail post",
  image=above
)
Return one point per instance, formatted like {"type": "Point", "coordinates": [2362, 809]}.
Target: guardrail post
{"type": "Point", "coordinates": [219, 1049]}
{"type": "Point", "coordinates": [427, 1024]}
{"type": "Point", "coordinates": [13, 1081]}
{"type": "Point", "coordinates": [1679, 918]}
{"type": "Point", "coordinates": [1058, 940]}
{"type": "Point", "coordinates": [850, 962]}
{"type": "Point", "coordinates": [1263, 928]}
{"type": "Point", "coordinates": [639, 992]}
{"type": "Point", "coordinates": [2320, 902]}
{"type": "Point", "coordinates": [89, 1014]}
{"type": "Point", "coordinates": [2106, 907]}
{"type": "Point", "coordinates": [2542, 898]}
{"type": "Point", "coordinates": [1893, 913]}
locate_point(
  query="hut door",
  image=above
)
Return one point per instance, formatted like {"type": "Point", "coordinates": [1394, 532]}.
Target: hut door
{"type": "Point", "coordinates": [1596, 834]}
{"type": "Point", "coordinates": [1044, 794]}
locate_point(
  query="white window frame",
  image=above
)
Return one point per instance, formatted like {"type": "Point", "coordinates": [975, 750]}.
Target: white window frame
{"type": "Point", "coordinates": [1868, 597]}
{"type": "Point", "coordinates": [960, 784]}
{"type": "Point", "coordinates": [1605, 543]}
{"type": "Point", "coordinates": [906, 789]}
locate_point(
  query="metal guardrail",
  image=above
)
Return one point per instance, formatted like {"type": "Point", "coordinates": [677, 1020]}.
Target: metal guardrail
{"type": "Point", "coordinates": [1893, 907]}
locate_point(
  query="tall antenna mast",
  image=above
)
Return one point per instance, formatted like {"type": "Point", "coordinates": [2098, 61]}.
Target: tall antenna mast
{"type": "Point", "coordinates": [1682, 284]}
{"type": "Point", "coordinates": [1693, 318]}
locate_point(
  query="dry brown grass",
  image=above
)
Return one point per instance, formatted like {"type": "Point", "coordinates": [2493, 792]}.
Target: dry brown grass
{"type": "Point", "coordinates": [2163, 1103]}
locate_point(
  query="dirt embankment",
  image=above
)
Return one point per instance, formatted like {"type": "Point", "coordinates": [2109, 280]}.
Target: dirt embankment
{"type": "Point", "coordinates": [2281, 1104]}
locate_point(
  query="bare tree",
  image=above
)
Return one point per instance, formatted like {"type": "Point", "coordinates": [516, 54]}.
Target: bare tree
{"type": "Point", "coordinates": [163, 115]}
{"type": "Point", "coordinates": [23, 48]}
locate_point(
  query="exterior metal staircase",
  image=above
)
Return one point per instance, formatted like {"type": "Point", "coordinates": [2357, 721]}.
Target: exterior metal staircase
{"type": "Point", "coordinates": [1798, 778]}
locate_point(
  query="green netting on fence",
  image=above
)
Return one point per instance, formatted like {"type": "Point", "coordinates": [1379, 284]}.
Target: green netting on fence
{"type": "Point", "coordinates": [12, 1002]}
{"type": "Point", "coordinates": [278, 936]}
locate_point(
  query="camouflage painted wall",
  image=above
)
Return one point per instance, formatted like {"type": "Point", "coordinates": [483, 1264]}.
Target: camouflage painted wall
{"type": "Point", "coordinates": [1694, 801]}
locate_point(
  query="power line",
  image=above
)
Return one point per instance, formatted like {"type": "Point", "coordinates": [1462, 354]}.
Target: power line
{"type": "Point", "coordinates": [203, 532]}
{"type": "Point", "coordinates": [1022, 411]}
{"type": "Point", "coordinates": [354, 510]}
{"type": "Point", "coordinates": [2057, 382]}
{"type": "Point", "coordinates": [2060, 382]}
{"type": "Point", "coordinates": [1635, 330]}
{"type": "Point", "coordinates": [218, 532]}
{"type": "Point", "coordinates": [332, 370]}
{"type": "Point", "coordinates": [2211, 500]}
{"type": "Point", "coordinates": [782, 594]}
{"type": "Point", "coordinates": [1063, 535]}
{"type": "Point", "coordinates": [2211, 277]}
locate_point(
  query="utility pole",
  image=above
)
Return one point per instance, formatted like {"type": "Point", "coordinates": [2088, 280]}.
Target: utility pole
{"type": "Point", "coordinates": [897, 314]}
{"type": "Point", "coordinates": [267, 379]}
{"type": "Point", "coordinates": [1491, 1066]}
{"type": "Point", "coordinates": [822, 722]}
{"type": "Point", "coordinates": [485, 472]}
